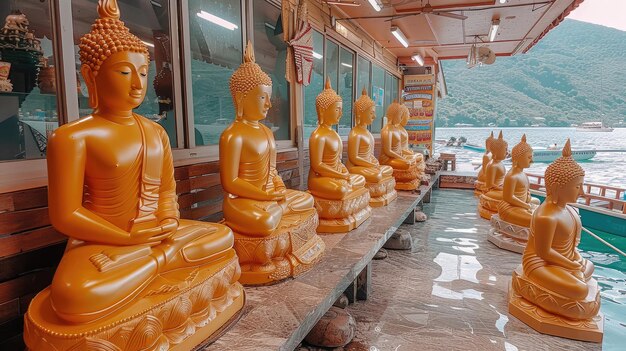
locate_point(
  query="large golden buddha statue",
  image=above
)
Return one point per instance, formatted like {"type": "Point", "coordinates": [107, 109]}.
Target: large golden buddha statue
{"type": "Point", "coordinates": [274, 227]}
{"type": "Point", "coordinates": [341, 198]}
{"type": "Point", "coordinates": [552, 290]}
{"type": "Point", "coordinates": [407, 166]}
{"type": "Point", "coordinates": [494, 179]}
{"type": "Point", "coordinates": [361, 160]}
{"type": "Point", "coordinates": [134, 274]}
{"type": "Point", "coordinates": [404, 141]}
{"type": "Point", "coordinates": [510, 227]}
{"type": "Point", "coordinates": [479, 185]}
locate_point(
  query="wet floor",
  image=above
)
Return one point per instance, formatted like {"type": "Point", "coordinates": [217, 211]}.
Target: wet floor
{"type": "Point", "coordinates": [450, 291]}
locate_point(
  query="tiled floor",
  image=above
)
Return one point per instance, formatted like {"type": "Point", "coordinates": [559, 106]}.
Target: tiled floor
{"type": "Point", "coordinates": [450, 291]}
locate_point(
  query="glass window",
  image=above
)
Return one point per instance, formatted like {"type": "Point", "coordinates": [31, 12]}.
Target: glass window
{"type": "Point", "coordinates": [394, 89]}
{"type": "Point", "coordinates": [363, 76]}
{"type": "Point", "coordinates": [388, 89]}
{"type": "Point", "coordinates": [28, 100]}
{"type": "Point", "coordinates": [332, 62]}
{"type": "Point", "coordinates": [314, 88]}
{"type": "Point", "coordinates": [216, 51]}
{"type": "Point", "coordinates": [148, 20]}
{"type": "Point", "coordinates": [378, 92]}
{"type": "Point", "coordinates": [270, 52]}
{"type": "Point", "coordinates": [345, 90]}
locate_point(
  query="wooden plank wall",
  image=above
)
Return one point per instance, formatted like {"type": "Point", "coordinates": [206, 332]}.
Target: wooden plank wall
{"type": "Point", "coordinates": [30, 249]}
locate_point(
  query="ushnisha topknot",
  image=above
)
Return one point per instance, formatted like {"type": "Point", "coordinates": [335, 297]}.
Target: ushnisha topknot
{"type": "Point", "coordinates": [364, 102]}
{"type": "Point", "coordinates": [327, 97]}
{"type": "Point", "coordinates": [563, 169]}
{"type": "Point", "coordinates": [521, 148]}
{"type": "Point", "coordinates": [249, 74]}
{"type": "Point", "coordinates": [108, 35]}
{"type": "Point", "coordinates": [499, 142]}
{"type": "Point", "coordinates": [394, 109]}
{"type": "Point", "coordinates": [488, 141]}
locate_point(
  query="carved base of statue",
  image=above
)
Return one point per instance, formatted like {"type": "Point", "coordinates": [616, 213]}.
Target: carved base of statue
{"type": "Point", "coordinates": [169, 314]}
{"type": "Point", "coordinates": [408, 179]}
{"type": "Point", "coordinates": [291, 250]}
{"type": "Point", "coordinates": [508, 236]}
{"type": "Point", "coordinates": [382, 193]}
{"type": "Point", "coordinates": [536, 306]}
{"type": "Point", "coordinates": [479, 188]}
{"type": "Point", "coordinates": [340, 216]}
{"type": "Point", "coordinates": [488, 204]}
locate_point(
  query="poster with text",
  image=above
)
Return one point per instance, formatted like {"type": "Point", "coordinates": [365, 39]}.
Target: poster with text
{"type": "Point", "coordinates": [418, 94]}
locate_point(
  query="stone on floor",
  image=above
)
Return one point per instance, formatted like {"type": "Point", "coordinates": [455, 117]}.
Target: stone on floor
{"type": "Point", "coordinates": [342, 301]}
{"type": "Point", "coordinates": [400, 240]}
{"type": "Point", "coordinates": [380, 255]}
{"type": "Point", "coordinates": [420, 216]}
{"type": "Point", "coordinates": [335, 329]}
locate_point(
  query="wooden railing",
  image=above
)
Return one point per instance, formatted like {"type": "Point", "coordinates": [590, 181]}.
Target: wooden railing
{"type": "Point", "coordinates": [604, 196]}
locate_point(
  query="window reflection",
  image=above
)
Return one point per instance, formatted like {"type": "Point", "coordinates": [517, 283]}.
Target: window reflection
{"type": "Point", "coordinates": [378, 92]}
{"type": "Point", "coordinates": [28, 101]}
{"type": "Point", "coordinates": [315, 87]}
{"type": "Point", "coordinates": [363, 76]}
{"type": "Point", "coordinates": [345, 90]}
{"type": "Point", "coordinates": [270, 51]}
{"type": "Point", "coordinates": [148, 20]}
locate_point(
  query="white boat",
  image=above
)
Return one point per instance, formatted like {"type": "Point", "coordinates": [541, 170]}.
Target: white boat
{"type": "Point", "coordinates": [548, 155]}
{"type": "Point", "coordinates": [593, 127]}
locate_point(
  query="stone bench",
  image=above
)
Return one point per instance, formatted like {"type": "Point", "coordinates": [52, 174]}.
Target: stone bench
{"type": "Point", "coordinates": [278, 317]}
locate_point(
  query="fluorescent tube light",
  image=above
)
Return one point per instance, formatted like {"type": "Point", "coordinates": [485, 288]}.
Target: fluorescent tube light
{"type": "Point", "coordinates": [419, 59]}
{"type": "Point", "coordinates": [495, 24]}
{"type": "Point", "coordinates": [502, 1]}
{"type": "Point", "coordinates": [148, 43]}
{"type": "Point", "coordinates": [400, 36]}
{"type": "Point", "coordinates": [217, 20]}
{"type": "Point", "coordinates": [346, 64]}
{"type": "Point", "coordinates": [375, 4]}
{"type": "Point", "coordinates": [317, 56]}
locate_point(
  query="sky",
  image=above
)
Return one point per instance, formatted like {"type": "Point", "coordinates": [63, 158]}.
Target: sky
{"type": "Point", "coordinates": [609, 13]}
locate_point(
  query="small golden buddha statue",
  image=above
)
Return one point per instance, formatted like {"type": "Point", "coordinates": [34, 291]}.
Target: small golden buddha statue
{"type": "Point", "coordinates": [134, 274]}
{"type": "Point", "coordinates": [479, 185]}
{"type": "Point", "coordinates": [274, 227]}
{"type": "Point", "coordinates": [494, 179]}
{"type": "Point", "coordinates": [341, 198]}
{"type": "Point", "coordinates": [552, 290]}
{"type": "Point", "coordinates": [510, 227]}
{"type": "Point", "coordinates": [361, 160]}
{"type": "Point", "coordinates": [407, 166]}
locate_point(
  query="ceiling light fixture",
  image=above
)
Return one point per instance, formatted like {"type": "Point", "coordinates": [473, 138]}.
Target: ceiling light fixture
{"type": "Point", "coordinates": [217, 20]}
{"type": "Point", "coordinates": [493, 31]}
{"type": "Point", "coordinates": [346, 65]}
{"type": "Point", "coordinates": [502, 1]}
{"type": "Point", "coordinates": [400, 36]}
{"type": "Point", "coordinates": [148, 43]}
{"type": "Point", "coordinates": [317, 56]}
{"type": "Point", "coordinates": [375, 4]}
{"type": "Point", "coordinates": [419, 59]}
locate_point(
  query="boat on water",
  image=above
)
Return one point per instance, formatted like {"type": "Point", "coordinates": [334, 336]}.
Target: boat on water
{"type": "Point", "coordinates": [593, 127]}
{"type": "Point", "coordinates": [546, 155]}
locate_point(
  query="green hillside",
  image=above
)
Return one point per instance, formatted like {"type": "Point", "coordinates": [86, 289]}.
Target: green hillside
{"type": "Point", "coordinates": [575, 74]}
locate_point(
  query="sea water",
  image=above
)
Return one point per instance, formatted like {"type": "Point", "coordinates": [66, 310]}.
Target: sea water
{"type": "Point", "coordinates": [604, 168]}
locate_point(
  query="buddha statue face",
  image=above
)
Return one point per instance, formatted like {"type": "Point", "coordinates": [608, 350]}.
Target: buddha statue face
{"type": "Point", "coordinates": [570, 191]}
{"type": "Point", "coordinates": [394, 113]}
{"type": "Point", "coordinates": [499, 147]}
{"type": "Point", "coordinates": [365, 109]}
{"type": "Point", "coordinates": [121, 82]}
{"type": "Point", "coordinates": [255, 103]}
{"type": "Point", "coordinates": [522, 154]}
{"type": "Point", "coordinates": [332, 114]}
{"type": "Point", "coordinates": [328, 105]}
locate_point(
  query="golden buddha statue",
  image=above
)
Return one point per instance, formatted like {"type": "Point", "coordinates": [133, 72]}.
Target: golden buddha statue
{"type": "Point", "coordinates": [361, 160]}
{"type": "Point", "coordinates": [341, 198]}
{"type": "Point", "coordinates": [510, 227]}
{"type": "Point", "coordinates": [408, 167]}
{"type": "Point", "coordinates": [552, 290]}
{"type": "Point", "coordinates": [134, 274]}
{"type": "Point", "coordinates": [274, 227]}
{"type": "Point", "coordinates": [479, 185]}
{"type": "Point", "coordinates": [494, 179]}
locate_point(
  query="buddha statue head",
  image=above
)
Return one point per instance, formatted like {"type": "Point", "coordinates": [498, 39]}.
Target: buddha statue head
{"type": "Point", "coordinates": [522, 154]}
{"type": "Point", "coordinates": [488, 142]}
{"type": "Point", "coordinates": [405, 115]}
{"type": "Point", "coordinates": [251, 88]}
{"type": "Point", "coordinates": [328, 105]}
{"type": "Point", "coordinates": [394, 113]}
{"type": "Point", "coordinates": [114, 62]}
{"type": "Point", "coordinates": [499, 148]}
{"type": "Point", "coordinates": [564, 178]}
{"type": "Point", "coordinates": [364, 109]}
